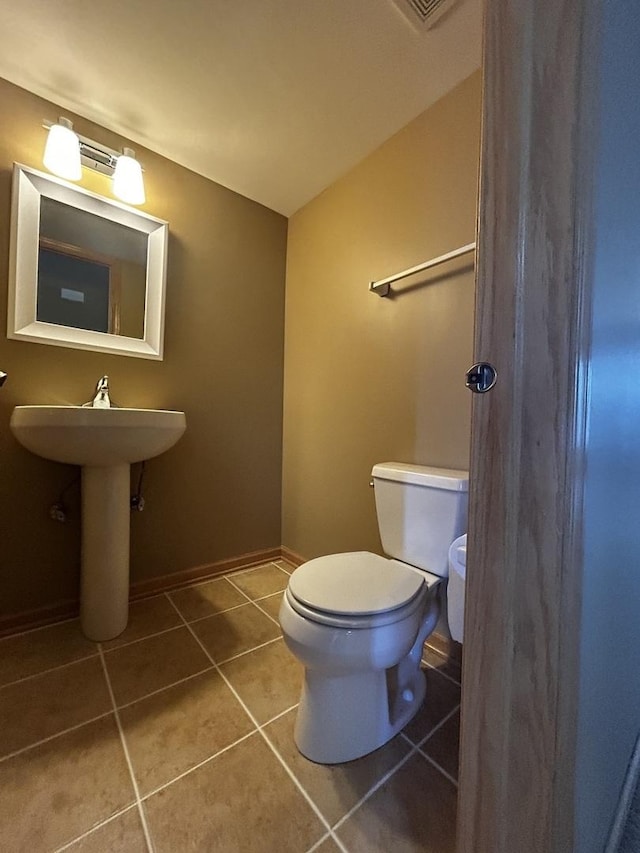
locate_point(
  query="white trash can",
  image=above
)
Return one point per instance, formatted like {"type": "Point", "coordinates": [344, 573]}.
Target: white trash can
{"type": "Point", "coordinates": [455, 588]}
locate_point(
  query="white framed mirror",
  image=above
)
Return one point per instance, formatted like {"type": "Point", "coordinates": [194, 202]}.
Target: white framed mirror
{"type": "Point", "coordinates": [84, 272]}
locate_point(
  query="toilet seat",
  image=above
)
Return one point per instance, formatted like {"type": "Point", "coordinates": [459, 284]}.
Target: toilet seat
{"type": "Point", "coordinates": [357, 590]}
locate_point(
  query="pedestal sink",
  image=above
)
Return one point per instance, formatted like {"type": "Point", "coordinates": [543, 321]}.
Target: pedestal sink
{"type": "Point", "coordinates": [104, 442]}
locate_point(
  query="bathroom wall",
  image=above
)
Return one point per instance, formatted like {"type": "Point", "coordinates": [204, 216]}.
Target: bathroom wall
{"type": "Point", "coordinates": [369, 379]}
{"type": "Point", "coordinates": [609, 711]}
{"type": "Point", "coordinates": [216, 495]}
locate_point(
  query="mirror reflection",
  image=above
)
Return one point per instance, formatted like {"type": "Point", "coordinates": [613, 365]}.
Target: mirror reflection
{"type": "Point", "coordinates": [91, 272]}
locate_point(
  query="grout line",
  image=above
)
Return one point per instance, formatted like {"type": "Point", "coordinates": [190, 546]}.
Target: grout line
{"type": "Point", "coordinates": [318, 843]}
{"type": "Point", "coordinates": [288, 574]}
{"type": "Point", "coordinates": [270, 595]}
{"type": "Point", "coordinates": [432, 731]}
{"type": "Point", "coordinates": [419, 744]}
{"type": "Point", "coordinates": [54, 736]}
{"type": "Point", "coordinates": [166, 687]}
{"type": "Point", "coordinates": [253, 600]}
{"type": "Point", "coordinates": [40, 628]}
{"type": "Point", "coordinates": [303, 791]}
{"type": "Point", "coordinates": [446, 656]}
{"type": "Point", "coordinates": [247, 652]}
{"type": "Point", "coordinates": [437, 767]}
{"type": "Point", "coordinates": [50, 669]}
{"type": "Point", "coordinates": [443, 674]}
{"type": "Point", "coordinates": [248, 598]}
{"type": "Point", "coordinates": [241, 591]}
{"type": "Point", "coordinates": [138, 640]}
{"type": "Point", "coordinates": [197, 766]}
{"type": "Point", "coordinates": [250, 569]}
{"type": "Point", "coordinates": [217, 613]}
{"type": "Point", "coordinates": [262, 610]}
{"type": "Point", "coordinates": [444, 720]}
{"type": "Point", "coordinates": [375, 787]}
{"type": "Point", "coordinates": [277, 716]}
{"type": "Point", "coordinates": [141, 812]}
{"type": "Point", "coordinates": [192, 585]}
{"type": "Point", "coordinates": [95, 827]}
{"type": "Point", "coordinates": [259, 729]}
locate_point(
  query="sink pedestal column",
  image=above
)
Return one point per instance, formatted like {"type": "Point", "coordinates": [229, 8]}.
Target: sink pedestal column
{"type": "Point", "coordinates": [104, 586]}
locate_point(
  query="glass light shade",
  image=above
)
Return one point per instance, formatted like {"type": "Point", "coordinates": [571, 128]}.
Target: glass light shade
{"type": "Point", "coordinates": [62, 151]}
{"type": "Point", "coordinates": [127, 179]}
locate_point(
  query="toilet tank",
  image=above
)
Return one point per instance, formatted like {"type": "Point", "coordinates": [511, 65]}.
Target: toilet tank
{"type": "Point", "coordinates": [420, 512]}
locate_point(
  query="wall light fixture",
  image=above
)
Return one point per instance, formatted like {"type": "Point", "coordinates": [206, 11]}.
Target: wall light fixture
{"type": "Point", "coordinates": [65, 151]}
{"type": "Point", "coordinates": [62, 151]}
{"type": "Point", "coordinates": [127, 178]}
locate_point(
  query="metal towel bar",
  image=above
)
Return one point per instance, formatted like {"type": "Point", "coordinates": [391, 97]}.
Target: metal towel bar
{"type": "Point", "coordinates": [382, 287]}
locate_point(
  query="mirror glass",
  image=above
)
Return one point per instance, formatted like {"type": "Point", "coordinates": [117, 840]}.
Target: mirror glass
{"type": "Point", "coordinates": [91, 272]}
{"type": "Point", "coordinates": [86, 272]}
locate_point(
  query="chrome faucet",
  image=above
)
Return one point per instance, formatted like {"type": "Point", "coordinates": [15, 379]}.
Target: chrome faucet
{"type": "Point", "coordinates": [101, 400]}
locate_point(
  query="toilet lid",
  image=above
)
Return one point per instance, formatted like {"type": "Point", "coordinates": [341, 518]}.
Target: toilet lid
{"type": "Point", "coordinates": [354, 584]}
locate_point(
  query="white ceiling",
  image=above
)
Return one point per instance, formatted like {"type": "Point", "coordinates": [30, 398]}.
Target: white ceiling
{"type": "Point", "coordinates": [274, 99]}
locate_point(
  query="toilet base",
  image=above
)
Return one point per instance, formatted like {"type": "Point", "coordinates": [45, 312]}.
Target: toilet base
{"type": "Point", "coordinates": [343, 717]}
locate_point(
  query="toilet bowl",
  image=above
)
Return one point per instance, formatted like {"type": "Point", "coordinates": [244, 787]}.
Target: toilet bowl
{"type": "Point", "coordinates": [362, 677]}
{"type": "Point", "coordinates": [358, 621]}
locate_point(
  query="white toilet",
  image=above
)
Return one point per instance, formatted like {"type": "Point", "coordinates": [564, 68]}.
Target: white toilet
{"type": "Point", "coordinates": [455, 587]}
{"type": "Point", "coordinates": [358, 621]}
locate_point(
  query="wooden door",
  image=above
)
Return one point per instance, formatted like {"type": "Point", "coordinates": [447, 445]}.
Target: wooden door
{"type": "Point", "coordinates": [528, 436]}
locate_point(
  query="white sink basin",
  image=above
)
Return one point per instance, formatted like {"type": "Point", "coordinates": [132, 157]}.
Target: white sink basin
{"type": "Point", "coordinates": [104, 442]}
{"type": "Point", "coordinates": [81, 435]}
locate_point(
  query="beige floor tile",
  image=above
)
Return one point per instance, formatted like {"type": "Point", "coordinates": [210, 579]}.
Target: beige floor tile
{"type": "Point", "coordinates": [442, 697]}
{"type": "Point", "coordinates": [194, 602]}
{"type": "Point", "coordinates": [444, 744]}
{"type": "Point", "coordinates": [412, 812]}
{"type": "Point", "coordinates": [335, 789]}
{"type": "Point", "coordinates": [444, 665]}
{"type": "Point", "coordinates": [235, 631]}
{"type": "Point", "coordinates": [54, 792]}
{"type": "Point", "coordinates": [123, 834]}
{"type": "Point", "coordinates": [262, 581]}
{"type": "Point", "coordinates": [268, 680]}
{"type": "Point", "coordinates": [45, 705]}
{"type": "Point", "coordinates": [172, 731]}
{"type": "Point", "coordinates": [36, 651]}
{"type": "Point", "coordinates": [154, 663]}
{"type": "Point", "coordinates": [243, 800]}
{"type": "Point", "coordinates": [146, 617]}
{"type": "Point", "coordinates": [271, 605]}
{"type": "Point", "coordinates": [285, 566]}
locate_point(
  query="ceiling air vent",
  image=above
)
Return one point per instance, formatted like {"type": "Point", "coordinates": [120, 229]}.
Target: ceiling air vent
{"type": "Point", "coordinates": [423, 14]}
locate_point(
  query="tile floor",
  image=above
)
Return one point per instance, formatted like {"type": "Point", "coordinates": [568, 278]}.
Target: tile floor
{"type": "Point", "coordinates": [178, 736]}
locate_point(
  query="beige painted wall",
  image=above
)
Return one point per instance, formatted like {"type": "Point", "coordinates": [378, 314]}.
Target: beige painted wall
{"type": "Point", "coordinates": [217, 493]}
{"type": "Point", "coordinates": [368, 379]}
